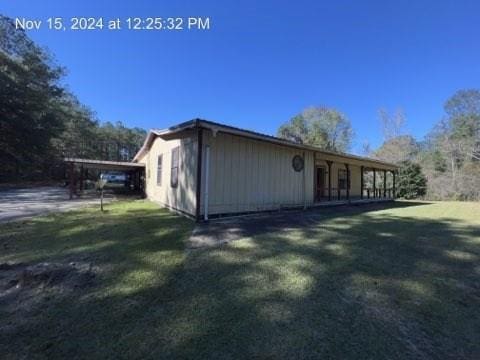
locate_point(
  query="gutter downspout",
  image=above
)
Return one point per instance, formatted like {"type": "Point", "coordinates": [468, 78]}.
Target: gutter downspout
{"type": "Point", "coordinates": [207, 171]}
{"type": "Point", "coordinates": [304, 184]}
{"type": "Point", "coordinates": [199, 172]}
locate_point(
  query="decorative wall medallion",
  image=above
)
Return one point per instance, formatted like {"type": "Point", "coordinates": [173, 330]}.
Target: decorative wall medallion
{"type": "Point", "coordinates": [297, 163]}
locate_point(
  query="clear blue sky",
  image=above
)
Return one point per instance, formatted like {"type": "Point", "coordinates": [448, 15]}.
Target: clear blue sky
{"type": "Point", "coordinates": [264, 61]}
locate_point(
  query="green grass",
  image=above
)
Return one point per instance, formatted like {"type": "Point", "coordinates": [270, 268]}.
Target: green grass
{"type": "Point", "coordinates": [400, 282]}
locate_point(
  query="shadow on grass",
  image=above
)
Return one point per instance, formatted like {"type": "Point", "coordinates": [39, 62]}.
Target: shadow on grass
{"type": "Point", "coordinates": [230, 229]}
{"type": "Point", "coordinates": [356, 285]}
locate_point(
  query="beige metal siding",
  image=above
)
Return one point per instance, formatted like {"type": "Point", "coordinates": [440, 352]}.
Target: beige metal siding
{"type": "Point", "coordinates": [355, 180]}
{"type": "Point", "coordinates": [244, 174]}
{"type": "Point", "coordinates": [181, 197]}
{"type": "Point", "coordinates": [251, 175]}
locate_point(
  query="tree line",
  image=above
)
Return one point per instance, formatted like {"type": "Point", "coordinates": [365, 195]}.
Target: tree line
{"type": "Point", "coordinates": [444, 165]}
{"type": "Point", "coordinates": [41, 121]}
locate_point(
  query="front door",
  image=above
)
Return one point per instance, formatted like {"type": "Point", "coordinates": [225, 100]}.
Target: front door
{"type": "Point", "coordinates": [319, 183]}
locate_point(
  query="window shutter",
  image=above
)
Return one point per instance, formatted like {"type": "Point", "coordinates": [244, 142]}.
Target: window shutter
{"type": "Point", "coordinates": [159, 170]}
{"type": "Point", "coordinates": [174, 168]}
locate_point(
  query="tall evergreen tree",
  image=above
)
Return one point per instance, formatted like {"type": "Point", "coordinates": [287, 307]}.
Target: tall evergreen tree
{"type": "Point", "coordinates": [411, 181]}
{"type": "Point", "coordinates": [41, 122]}
{"type": "Point", "coordinates": [29, 89]}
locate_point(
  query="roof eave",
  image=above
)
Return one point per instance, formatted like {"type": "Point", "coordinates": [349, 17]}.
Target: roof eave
{"type": "Point", "coordinates": [261, 137]}
{"type": "Point", "coordinates": [216, 127]}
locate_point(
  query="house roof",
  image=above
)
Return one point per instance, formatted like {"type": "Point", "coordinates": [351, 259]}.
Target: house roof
{"type": "Point", "coordinates": [218, 127]}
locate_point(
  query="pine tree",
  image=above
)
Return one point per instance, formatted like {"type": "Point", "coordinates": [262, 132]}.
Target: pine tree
{"type": "Point", "coordinates": [412, 183]}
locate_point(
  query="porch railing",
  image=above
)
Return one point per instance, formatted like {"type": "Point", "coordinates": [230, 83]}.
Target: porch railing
{"type": "Point", "coordinates": [337, 194]}
{"type": "Point", "coordinates": [378, 193]}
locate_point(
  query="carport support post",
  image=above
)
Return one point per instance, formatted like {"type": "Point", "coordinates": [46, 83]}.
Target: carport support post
{"type": "Point", "coordinates": [361, 182]}
{"type": "Point", "coordinates": [384, 183]}
{"type": "Point", "coordinates": [71, 180]}
{"type": "Point", "coordinates": [136, 180]}
{"type": "Point", "coordinates": [329, 164]}
{"type": "Point", "coordinates": [348, 181]}
{"type": "Point", "coordinates": [81, 178]}
{"type": "Point", "coordinates": [374, 184]}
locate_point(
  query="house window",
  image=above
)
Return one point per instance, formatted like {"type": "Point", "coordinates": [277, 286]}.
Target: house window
{"type": "Point", "coordinates": [174, 170]}
{"type": "Point", "coordinates": [159, 170]}
{"type": "Point", "coordinates": [342, 179]}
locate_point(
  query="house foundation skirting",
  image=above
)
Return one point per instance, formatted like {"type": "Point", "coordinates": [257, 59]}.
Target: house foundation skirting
{"type": "Point", "coordinates": [351, 202]}
{"type": "Point", "coordinates": [214, 217]}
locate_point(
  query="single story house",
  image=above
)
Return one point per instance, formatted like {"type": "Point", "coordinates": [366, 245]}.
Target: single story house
{"type": "Point", "coordinates": [205, 169]}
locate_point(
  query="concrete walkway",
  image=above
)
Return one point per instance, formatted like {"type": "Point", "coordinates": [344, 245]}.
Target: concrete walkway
{"type": "Point", "coordinates": [23, 203]}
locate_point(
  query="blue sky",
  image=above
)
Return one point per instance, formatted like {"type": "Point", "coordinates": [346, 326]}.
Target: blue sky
{"type": "Point", "coordinates": [264, 61]}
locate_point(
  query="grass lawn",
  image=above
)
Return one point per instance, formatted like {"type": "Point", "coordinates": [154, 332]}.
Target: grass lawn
{"type": "Point", "coordinates": [400, 282]}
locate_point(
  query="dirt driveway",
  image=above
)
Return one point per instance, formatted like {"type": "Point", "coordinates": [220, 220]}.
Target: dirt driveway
{"type": "Point", "coordinates": [27, 202]}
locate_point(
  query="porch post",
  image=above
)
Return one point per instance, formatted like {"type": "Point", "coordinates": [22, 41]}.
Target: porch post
{"type": "Point", "coordinates": [71, 170]}
{"type": "Point", "coordinates": [384, 183]}
{"type": "Point", "coordinates": [329, 164]}
{"type": "Point", "coordinates": [361, 182]}
{"type": "Point", "coordinates": [374, 184]}
{"type": "Point", "coordinates": [393, 173]}
{"type": "Point", "coordinates": [348, 181]}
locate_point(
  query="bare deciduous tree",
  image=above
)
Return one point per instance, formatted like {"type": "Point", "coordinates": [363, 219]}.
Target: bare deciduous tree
{"type": "Point", "coordinates": [392, 123]}
{"type": "Point", "coordinates": [366, 148]}
{"type": "Point", "coordinates": [320, 126]}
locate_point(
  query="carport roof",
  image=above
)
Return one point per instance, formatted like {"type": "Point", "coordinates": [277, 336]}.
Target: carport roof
{"type": "Point", "coordinates": [105, 165]}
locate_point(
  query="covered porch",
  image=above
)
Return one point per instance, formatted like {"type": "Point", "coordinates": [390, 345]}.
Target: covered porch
{"type": "Point", "coordinates": [337, 183]}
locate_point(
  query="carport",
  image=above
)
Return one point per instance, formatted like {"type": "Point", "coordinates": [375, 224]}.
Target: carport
{"type": "Point", "coordinates": [78, 171]}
